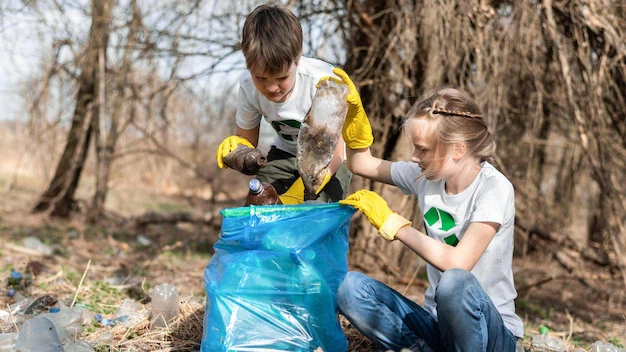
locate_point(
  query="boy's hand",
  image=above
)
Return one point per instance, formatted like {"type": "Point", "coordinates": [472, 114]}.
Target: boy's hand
{"type": "Point", "coordinates": [377, 212]}
{"type": "Point", "coordinates": [295, 193]}
{"type": "Point", "coordinates": [357, 131]}
{"type": "Point", "coordinates": [228, 145]}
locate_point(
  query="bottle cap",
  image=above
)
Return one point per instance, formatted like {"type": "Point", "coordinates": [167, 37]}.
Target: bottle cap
{"type": "Point", "coordinates": [255, 186]}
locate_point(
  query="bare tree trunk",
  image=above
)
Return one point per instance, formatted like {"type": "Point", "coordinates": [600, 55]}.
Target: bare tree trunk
{"type": "Point", "coordinates": [58, 199]}
{"type": "Point", "coordinates": [382, 60]}
{"type": "Point", "coordinates": [107, 141]}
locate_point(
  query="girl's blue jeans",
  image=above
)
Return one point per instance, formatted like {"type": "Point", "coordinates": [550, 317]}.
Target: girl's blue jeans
{"type": "Point", "coordinates": [467, 318]}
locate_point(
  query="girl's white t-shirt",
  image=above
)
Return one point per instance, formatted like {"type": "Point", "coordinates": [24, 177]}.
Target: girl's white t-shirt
{"type": "Point", "coordinates": [490, 198]}
{"type": "Point", "coordinates": [285, 118]}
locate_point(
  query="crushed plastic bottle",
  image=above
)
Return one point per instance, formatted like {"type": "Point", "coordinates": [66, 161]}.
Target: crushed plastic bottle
{"type": "Point", "coordinates": [105, 339]}
{"type": "Point", "coordinates": [600, 346]}
{"type": "Point", "coordinates": [38, 335]}
{"type": "Point", "coordinates": [36, 244]}
{"type": "Point", "coordinates": [164, 305]}
{"type": "Point", "coordinates": [67, 321]}
{"type": "Point", "coordinates": [246, 160]}
{"type": "Point", "coordinates": [7, 341]}
{"type": "Point", "coordinates": [543, 342]}
{"type": "Point", "coordinates": [78, 346]}
{"type": "Point", "coordinates": [129, 307]}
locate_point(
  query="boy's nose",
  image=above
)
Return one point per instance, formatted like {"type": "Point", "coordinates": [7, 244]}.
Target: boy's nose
{"type": "Point", "coordinates": [272, 87]}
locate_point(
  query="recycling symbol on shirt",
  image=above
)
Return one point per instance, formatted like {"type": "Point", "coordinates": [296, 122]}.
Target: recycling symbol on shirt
{"type": "Point", "coordinates": [446, 222]}
{"type": "Point", "coordinates": [287, 129]}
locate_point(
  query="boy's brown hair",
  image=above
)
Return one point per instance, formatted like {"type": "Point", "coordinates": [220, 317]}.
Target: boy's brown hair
{"type": "Point", "coordinates": [271, 38]}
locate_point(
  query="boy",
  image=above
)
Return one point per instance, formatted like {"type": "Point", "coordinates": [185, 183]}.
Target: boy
{"type": "Point", "coordinates": [280, 85]}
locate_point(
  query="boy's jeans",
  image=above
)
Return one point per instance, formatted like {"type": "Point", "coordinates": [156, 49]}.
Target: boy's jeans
{"type": "Point", "coordinates": [468, 320]}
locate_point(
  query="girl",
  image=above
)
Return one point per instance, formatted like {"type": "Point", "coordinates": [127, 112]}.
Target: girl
{"type": "Point", "coordinates": [468, 209]}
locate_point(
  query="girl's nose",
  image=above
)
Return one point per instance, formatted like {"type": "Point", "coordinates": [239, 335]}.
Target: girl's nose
{"type": "Point", "coordinates": [416, 157]}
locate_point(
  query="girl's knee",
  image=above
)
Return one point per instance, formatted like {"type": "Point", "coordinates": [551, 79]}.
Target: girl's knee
{"type": "Point", "coordinates": [351, 289]}
{"type": "Point", "coordinates": [453, 283]}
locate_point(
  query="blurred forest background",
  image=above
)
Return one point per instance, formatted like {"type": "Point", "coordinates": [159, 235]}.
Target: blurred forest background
{"type": "Point", "coordinates": [106, 100]}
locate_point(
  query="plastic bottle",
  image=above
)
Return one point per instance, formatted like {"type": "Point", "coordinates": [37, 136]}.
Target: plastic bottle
{"type": "Point", "coordinates": [261, 193]}
{"type": "Point", "coordinates": [68, 322]}
{"type": "Point", "coordinates": [38, 335]}
{"type": "Point", "coordinates": [544, 342]}
{"type": "Point", "coordinates": [164, 305]}
{"type": "Point", "coordinates": [246, 160]}
{"type": "Point", "coordinates": [7, 341]}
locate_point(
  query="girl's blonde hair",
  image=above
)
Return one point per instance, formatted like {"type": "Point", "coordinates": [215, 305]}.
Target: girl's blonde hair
{"type": "Point", "coordinates": [458, 119]}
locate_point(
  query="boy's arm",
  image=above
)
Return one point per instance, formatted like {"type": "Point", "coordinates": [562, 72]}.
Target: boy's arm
{"type": "Point", "coordinates": [251, 135]}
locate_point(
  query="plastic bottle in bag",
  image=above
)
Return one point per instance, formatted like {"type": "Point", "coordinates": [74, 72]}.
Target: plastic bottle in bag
{"type": "Point", "coordinates": [261, 193]}
{"type": "Point", "coordinates": [164, 305]}
{"type": "Point", "coordinates": [246, 160]}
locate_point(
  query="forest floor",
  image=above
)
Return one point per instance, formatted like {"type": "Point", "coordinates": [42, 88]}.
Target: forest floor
{"type": "Point", "coordinates": [98, 266]}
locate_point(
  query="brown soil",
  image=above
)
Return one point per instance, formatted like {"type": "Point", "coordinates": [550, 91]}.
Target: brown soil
{"type": "Point", "coordinates": [579, 310]}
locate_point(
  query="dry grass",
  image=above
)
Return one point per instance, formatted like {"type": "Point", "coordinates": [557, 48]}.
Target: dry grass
{"type": "Point", "coordinates": [182, 334]}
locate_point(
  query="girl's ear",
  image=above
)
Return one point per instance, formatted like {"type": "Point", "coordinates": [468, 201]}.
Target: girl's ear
{"type": "Point", "coordinates": [459, 151]}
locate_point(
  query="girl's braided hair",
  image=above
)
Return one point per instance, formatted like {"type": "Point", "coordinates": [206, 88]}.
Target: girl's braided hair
{"type": "Point", "coordinates": [442, 111]}
{"type": "Point", "coordinates": [458, 119]}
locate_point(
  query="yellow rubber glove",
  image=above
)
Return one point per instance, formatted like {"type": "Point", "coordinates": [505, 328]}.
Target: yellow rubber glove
{"type": "Point", "coordinates": [377, 212]}
{"type": "Point", "coordinates": [228, 145]}
{"type": "Point", "coordinates": [357, 131]}
{"type": "Point", "coordinates": [295, 193]}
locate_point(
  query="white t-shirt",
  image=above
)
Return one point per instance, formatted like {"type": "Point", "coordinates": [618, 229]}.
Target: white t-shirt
{"type": "Point", "coordinates": [446, 217]}
{"type": "Point", "coordinates": [285, 117]}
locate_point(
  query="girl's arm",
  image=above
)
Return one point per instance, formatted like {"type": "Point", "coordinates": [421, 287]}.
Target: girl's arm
{"type": "Point", "coordinates": [363, 163]}
{"type": "Point", "coordinates": [338, 157]}
{"type": "Point", "coordinates": [442, 256]}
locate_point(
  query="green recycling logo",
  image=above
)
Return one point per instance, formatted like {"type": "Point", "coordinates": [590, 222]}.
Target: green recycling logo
{"type": "Point", "coordinates": [446, 222]}
{"type": "Point", "coordinates": [287, 129]}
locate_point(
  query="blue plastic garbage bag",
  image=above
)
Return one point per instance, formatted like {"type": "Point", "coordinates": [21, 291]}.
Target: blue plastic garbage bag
{"type": "Point", "coordinates": [271, 284]}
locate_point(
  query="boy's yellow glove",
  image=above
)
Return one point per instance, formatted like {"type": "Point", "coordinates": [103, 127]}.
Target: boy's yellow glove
{"type": "Point", "coordinates": [377, 212]}
{"type": "Point", "coordinates": [295, 193]}
{"type": "Point", "coordinates": [228, 145]}
{"type": "Point", "coordinates": [357, 131]}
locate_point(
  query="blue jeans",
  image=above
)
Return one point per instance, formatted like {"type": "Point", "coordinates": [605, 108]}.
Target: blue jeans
{"type": "Point", "coordinates": [467, 319]}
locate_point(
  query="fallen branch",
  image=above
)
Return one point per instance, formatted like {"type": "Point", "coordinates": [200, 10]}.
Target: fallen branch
{"type": "Point", "coordinates": [150, 218]}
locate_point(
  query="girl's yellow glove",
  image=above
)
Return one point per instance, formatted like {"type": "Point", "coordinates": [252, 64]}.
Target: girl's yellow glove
{"type": "Point", "coordinates": [228, 145]}
{"type": "Point", "coordinates": [357, 131]}
{"type": "Point", "coordinates": [377, 212]}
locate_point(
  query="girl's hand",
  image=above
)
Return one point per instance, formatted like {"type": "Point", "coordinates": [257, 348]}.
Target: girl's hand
{"type": "Point", "coordinates": [377, 212]}
{"type": "Point", "coordinates": [357, 131]}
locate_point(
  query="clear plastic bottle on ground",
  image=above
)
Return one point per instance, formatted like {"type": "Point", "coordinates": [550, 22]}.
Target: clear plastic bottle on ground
{"type": "Point", "coordinates": [38, 334]}
{"type": "Point", "coordinates": [7, 341]}
{"type": "Point", "coordinates": [261, 193]}
{"type": "Point", "coordinates": [164, 305]}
